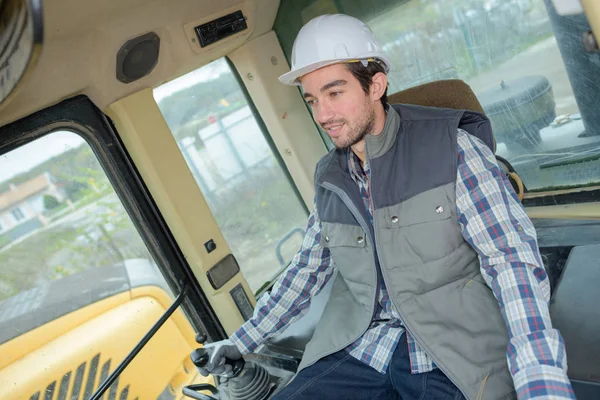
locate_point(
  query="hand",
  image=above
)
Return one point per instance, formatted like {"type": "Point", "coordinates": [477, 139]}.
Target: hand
{"type": "Point", "coordinates": [219, 351]}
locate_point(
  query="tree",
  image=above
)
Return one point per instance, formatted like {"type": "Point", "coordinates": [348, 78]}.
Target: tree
{"type": "Point", "coordinates": [50, 202]}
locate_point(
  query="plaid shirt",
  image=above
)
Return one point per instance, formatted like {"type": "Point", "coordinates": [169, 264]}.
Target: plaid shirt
{"type": "Point", "coordinates": [495, 224]}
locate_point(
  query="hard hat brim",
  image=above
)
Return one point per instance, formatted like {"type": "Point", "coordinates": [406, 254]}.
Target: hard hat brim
{"type": "Point", "coordinates": [293, 77]}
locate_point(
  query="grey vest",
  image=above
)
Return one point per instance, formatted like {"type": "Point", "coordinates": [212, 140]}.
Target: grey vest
{"type": "Point", "coordinates": [415, 245]}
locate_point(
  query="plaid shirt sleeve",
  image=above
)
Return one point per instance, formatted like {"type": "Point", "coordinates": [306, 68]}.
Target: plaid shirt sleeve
{"type": "Point", "coordinates": [494, 222]}
{"type": "Point", "coordinates": [310, 269]}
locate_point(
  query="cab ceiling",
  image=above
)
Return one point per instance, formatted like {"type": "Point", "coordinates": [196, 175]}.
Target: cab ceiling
{"type": "Point", "coordinates": [82, 38]}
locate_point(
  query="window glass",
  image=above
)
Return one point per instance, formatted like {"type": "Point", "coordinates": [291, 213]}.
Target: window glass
{"type": "Point", "coordinates": [525, 63]}
{"type": "Point", "coordinates": [78, 286]}
{"type": "Point", "coordinates": [56, 199]}
{"type": "Point", "coordinates": [18, 214]}
{"type": "Point", "coordinates": [229, 153]}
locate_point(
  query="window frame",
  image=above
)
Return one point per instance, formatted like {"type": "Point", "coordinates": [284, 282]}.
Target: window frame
{"type": "Point", "coordinates": [80, 116]}
{"type": "Point", "coordinates": [236, 76]}
{"type": "Point", "coordinates": [266, 134]}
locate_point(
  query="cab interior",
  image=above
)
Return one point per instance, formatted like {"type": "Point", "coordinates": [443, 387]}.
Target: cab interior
{"type": "Point", "coordinates": [157, 176]}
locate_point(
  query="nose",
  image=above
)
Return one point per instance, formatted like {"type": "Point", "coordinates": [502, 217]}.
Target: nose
{"type": "Point", "coordinates": [323, 112]}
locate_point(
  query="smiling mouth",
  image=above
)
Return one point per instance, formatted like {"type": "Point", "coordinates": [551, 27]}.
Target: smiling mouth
{"type": "Point", "coordinates": [333, 130]}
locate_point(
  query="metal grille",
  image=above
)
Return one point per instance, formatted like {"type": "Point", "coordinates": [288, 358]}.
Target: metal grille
{"type": "Point", "coordinates": [77, 393]}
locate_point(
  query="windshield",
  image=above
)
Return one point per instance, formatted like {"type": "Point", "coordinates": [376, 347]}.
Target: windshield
{"type": "Point", "coordinates": [526, 64]}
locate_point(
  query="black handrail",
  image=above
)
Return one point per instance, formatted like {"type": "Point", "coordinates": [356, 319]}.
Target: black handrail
{"type": "Point", "coordinates": [115, 374]}
{"type": "Point", "coordinates": [282, 241]}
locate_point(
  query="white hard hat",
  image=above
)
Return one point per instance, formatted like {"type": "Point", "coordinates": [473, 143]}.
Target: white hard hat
{"type": "Point", "coordinates": [331, 39]}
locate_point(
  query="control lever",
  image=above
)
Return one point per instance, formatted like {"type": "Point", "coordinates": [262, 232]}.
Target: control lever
{"type": "Point", "coordinates": [246, 381]}
{"type": "Point", "coordinates": [200, 358]}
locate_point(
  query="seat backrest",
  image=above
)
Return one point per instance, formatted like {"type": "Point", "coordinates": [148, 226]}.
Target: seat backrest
{"type": "Point", "coordinates": [455, 94]}
{"type": "Point", "coordinates": [451, 93]}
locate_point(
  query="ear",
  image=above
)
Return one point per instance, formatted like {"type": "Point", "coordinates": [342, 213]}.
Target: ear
{"type": "Point", "coordinates": [378, 86]}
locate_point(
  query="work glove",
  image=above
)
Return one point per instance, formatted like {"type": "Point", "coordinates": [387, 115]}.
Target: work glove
{"type": "Point", "coordinates": [219, 351]}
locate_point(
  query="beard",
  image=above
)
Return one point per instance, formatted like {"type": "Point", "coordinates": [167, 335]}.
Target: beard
{"type": "Point", "coordinates": [357, 130]}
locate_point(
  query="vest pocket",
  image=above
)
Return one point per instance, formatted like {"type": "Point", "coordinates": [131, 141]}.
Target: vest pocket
{"type": "Point", "coordinates": [425, 228]}
{"type": "Point", "coordinates": [407, 214]}
{"type": "Point", "coordinates": [341, 235]}
{"type": "Point", "coordinates": [351, 256]}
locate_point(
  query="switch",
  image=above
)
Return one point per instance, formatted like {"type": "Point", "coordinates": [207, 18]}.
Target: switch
{"type": "Point", "coordinates": [210, 246]}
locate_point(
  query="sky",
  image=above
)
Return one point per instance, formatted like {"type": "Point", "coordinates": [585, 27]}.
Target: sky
{"type": "Point", "coordinates": [28, 156]}
{"type": "Point", "coordinates": [205, 73]}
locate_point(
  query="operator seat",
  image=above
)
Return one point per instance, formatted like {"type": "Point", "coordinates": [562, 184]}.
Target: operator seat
{"type": "Point", "coordinates": [455, 94]}
{"type": "Point", "coordinates": [573, 308]}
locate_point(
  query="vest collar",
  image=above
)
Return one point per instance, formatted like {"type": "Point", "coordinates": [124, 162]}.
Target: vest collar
{"type": "Point", "coordinates": [378, 145]}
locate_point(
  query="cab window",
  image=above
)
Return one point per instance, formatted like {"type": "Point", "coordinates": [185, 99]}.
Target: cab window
{"type": "Point", "coordinates": [237, 168]}
{"type": "Point", "coordinates": [74, 276]}
{"type": "Point", "coordinates": [526, 64]}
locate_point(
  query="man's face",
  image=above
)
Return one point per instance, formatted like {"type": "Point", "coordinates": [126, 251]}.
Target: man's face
{"type": "Point", "coordinates": [339, 104]}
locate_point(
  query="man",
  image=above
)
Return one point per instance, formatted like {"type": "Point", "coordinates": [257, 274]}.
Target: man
{"type": "Point", "coordinates": [414, 215]}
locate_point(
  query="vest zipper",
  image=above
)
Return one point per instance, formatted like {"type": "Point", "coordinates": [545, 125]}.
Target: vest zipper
{"type": "Point", "coordinates": [346, 199]}
{"type": "Point", "coordinates": [378, 271]}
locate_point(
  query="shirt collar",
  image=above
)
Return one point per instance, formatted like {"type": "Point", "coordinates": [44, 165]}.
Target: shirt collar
{"type": "Point", "coordinates": [356, 172]}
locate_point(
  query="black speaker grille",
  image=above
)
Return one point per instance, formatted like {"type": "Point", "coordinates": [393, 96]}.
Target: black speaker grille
{"type": "Point", "coordinates": [138, 57]}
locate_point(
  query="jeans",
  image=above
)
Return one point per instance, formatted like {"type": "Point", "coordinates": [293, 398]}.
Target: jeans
{"type": "Point", "coordinates": [341, 376]}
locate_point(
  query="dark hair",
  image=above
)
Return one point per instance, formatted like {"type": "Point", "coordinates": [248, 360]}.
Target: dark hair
{"type": "Point", "coordinates": [364, 75]}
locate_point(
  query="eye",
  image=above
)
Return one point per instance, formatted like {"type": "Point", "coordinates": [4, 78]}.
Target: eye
{"type": "Point", "coordinates": [335, 94]}
{"type": "Point", "coordinates": [311, 102]}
